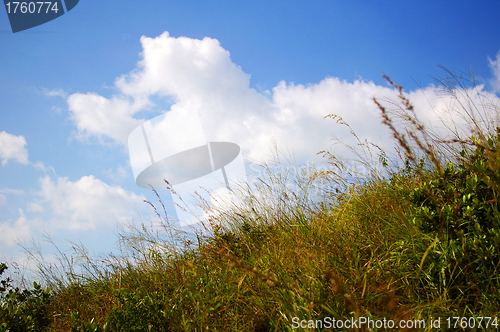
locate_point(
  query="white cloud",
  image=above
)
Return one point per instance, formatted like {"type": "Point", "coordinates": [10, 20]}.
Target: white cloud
{"type": "Point", "coordinates": [12, 233]}
{"type": "Point", "coordinates": [495, 68]}
{"type": "Point", "coordinates": [62, 205]}
{"type": "Point", "coordinates": [302, 110]}
{"type": "Point", "coordinates": [12, 191]}
{"type": "Point", "coordinates": [88, 203]}
{"type": "Point", "coordinates": [199, 75]}
{"type": "Point", "coordinates": [3, 198]}
{"type": "Point", "coordinates": [41, 166]}
{"type": "Point", "coordinates": [185, 68]}
{"type": "Point", "coordinates": [13, 147]}
{"type": "Point", "coordinates": [117, 175]}
{"type": "Point", "coordinates": [55, 93]}
{"type": "Point", "coordinates": [446, 114]}
{"type": "Point", "coordinates": [35, 207]}
{"type": "Point", "coordinates": [100, 117]}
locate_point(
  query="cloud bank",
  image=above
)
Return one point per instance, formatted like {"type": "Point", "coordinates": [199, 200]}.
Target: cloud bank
{"type": "Point", "coordinates": [198, 75]}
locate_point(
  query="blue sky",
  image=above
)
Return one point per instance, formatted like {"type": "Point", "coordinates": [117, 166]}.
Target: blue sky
{"type": "Point", "coordinates": [269, 70]}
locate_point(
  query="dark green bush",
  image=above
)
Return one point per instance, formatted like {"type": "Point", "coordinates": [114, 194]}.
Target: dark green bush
{"type": "Point", "coordinates": [22, 310]}
{"type": "Point", "coordinates": [459, 204]}
{"type": "Point", "coordinates": [139, 312]}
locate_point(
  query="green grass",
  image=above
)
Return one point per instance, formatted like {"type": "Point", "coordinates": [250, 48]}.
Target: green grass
{"type": "Point", "coordinates": [412, 240]}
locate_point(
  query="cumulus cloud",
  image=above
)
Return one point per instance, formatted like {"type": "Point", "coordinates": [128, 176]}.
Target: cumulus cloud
{"type": "Point", "coordinates": [62, 205]}
{"type": "Point", "coordinates": [185, 68]}
{"type": "Point", "coordinates": [456, 114]}
{"type": "Point", "coordinates": [100, 117]}
{"type": "Point", "coordinates": [198, 75]}
{"type": "Point", "coordinates": [13, 148]}
{"type": "Point", "coordinates": [87, 203]}
{"type": "Point", "coordinates": [302, 110]}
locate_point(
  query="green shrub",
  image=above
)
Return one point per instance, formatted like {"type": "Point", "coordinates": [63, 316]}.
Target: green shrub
{"type": "Point", "coordinates": [460, 206]}
{"type": "Point", "coordinates": [22, 310]}
{"type": "Point", "coordinates": [139, 311]}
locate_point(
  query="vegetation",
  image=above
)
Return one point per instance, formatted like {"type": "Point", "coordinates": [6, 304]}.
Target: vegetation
{"type": "Point", "coordinates": [23, 310]}
{"type": "Point", "coordinates": [419, 239]}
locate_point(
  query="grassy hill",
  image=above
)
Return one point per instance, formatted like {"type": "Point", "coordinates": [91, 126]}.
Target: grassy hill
{"type": "Point", "coordinates": [415, 239]}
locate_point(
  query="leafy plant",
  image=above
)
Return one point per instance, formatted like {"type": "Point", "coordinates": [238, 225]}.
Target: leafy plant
{"type": "Point", "coordinates": [460, 205]}
{"type": "Point", "coordinates": [23, 310]}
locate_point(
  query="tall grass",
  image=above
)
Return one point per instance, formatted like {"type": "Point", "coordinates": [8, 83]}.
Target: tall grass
{"type": "Point", "coordinates": [415, 238]}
